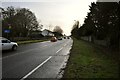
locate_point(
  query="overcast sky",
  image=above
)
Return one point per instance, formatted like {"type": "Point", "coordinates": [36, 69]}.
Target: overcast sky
{"type": "Point", "coordinates": [55, 12]}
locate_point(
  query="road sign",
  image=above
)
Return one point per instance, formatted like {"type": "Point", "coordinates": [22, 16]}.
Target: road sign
{"type": "Point", "coordinates": [6, 31]}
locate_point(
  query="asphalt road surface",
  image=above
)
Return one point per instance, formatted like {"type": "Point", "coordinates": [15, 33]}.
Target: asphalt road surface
{"type": "Point", "coordinates": [36, 60]}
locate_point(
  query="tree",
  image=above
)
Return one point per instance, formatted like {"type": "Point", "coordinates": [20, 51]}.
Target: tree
{"type": "Point", "coordinates": [21, 20]}
{"type": "Point", "coordinates": [102, 22]}
{"type": "Point", "coordinates": [74, 31]}
{"type": "Point", "coordinates": [8, 20]}
{"type": "Point", "coordinates": [58, 29]}
{"type": "Point", "coordinates": [27, 21]}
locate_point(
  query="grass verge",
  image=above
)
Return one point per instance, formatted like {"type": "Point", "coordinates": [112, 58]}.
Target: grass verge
{"type": "Point", "coordinates": [29, 41]}
{"type": "Point", "coordinates": [87, 61]}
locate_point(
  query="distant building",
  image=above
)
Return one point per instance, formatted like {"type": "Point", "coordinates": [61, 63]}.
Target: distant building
{"type": "Point", "coordinates": [46, 32]}
{"type": "Point", "coordinates": [36, 34]}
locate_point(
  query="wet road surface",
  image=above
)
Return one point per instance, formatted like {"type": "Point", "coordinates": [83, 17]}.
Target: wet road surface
{"type": "Point", "coordinates": [36, 60]}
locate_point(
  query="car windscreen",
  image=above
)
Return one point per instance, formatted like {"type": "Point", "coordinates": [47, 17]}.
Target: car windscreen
{"type": "Point", "coordinates": [5, 41]}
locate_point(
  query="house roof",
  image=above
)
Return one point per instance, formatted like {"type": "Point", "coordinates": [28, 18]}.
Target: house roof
{"type": "Point", "coordinates": [47, 30]}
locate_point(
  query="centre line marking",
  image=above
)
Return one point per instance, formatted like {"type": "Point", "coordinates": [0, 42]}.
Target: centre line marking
{"type": "Point", "coordinates": [65, 45]}
{"type": "Point", "coordinates": [36, 68]}
{"type": "Point", "coordinates": [59, 50]}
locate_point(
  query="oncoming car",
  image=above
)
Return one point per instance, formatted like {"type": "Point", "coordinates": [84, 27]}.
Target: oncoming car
{"type": "Point", "coordinates": [53, 39]}
{"type": "Point", "coordinates": [6, 44]}
{"type": "Point", "coordinates": [59, 38]}
{"type": "Point", "coordinates": [68, 37]}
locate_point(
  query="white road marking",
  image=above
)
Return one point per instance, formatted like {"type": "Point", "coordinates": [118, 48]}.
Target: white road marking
{"type": "Point", "coordinates": [65, 45]}
{"type": "Point", "coordinates": [36, 68]}
{"type": "Point", "coordinates": [23, 52]}
{"type": "Point", "coordinates": [45, 45]}
{"type": "Point", "coordinates": [59, 50]}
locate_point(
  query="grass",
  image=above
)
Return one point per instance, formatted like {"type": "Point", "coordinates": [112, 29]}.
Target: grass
{"type": "Point", "coordinates": [29, 41]}
{"type": "Point", "coordinates": [87, 61]}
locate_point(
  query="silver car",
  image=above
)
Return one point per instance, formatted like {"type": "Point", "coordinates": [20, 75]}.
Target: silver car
{"type": "Point", "coordinates": [6, 44]}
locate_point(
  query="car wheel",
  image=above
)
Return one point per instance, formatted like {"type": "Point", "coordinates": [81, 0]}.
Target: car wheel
{"type": "Point", "coordinates": [14, 47]}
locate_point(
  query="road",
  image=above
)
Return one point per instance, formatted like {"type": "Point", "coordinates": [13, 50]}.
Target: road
{"type": "Point", "coordinates": [36, 60]}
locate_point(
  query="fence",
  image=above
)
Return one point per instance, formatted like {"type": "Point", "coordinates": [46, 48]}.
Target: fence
{"type": "Point", "coordinates": [99, 42]}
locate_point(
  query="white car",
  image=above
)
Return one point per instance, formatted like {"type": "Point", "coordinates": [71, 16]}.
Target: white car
{"type": "Point", "coordinates": [6, 44]}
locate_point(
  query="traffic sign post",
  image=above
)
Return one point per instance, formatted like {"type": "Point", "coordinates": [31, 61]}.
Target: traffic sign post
{"type": "Point", "coordinates": [7, 32]}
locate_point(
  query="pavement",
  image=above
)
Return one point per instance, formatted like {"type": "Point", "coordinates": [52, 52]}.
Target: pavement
{"type": "Point", "coordinates": [36, 60]}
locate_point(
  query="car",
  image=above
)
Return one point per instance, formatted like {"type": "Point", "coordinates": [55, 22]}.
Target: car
{"type": "Point", "coordinates": [64, 37]}
{"type": "Point", "coordinates": [60, 38]}
{"type": "Point", "coordinates": [53, 39]}
{"type": "Point", "coordinates": [6, 44]}
{"type": "Point", "coordinates": [68, 37]}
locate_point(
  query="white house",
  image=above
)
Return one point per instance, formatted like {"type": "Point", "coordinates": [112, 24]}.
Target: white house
{"type": "Point", "coordinates": [46, 32]}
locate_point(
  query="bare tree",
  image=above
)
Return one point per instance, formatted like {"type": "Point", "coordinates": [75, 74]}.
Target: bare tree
{"type": "Point", "coordinates": [58, 29]}
{"type": "Point", "coordinates": [50, 27]}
